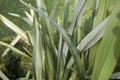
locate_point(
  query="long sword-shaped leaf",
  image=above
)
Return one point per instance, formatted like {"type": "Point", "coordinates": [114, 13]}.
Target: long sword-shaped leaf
{"type": "Point", "coordinates": [37, 52]}
{"type": "Point", "coordinates": [72, 47]}
{"type": "Point", "coordinates": [60, 63]}
{"type": "Point", "coordinates": [3, 76]}
{"type": "Point", "coordinates": [13, 27]}
{"type": "Point", "coordinates": [78, 12]}
{"type": "Point", "coordinates": [91, 38]}
{"type": "Point", "coordinates": [109, 49]}
{"type": "Point", "coordinates": [45, 23]}
{"type": "Point", "coordinates": [14, 49]}
{"type": "Point", "coordinates": [12, 44]}
{"type": "Point", "coordinates": [48, 41]}
{"type": "Point", "coordinates": [100, 12]}
{"type": "Point", "coordinates": [28, 19]}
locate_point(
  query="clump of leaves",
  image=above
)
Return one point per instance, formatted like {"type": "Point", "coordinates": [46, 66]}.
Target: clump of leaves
{"type": "Point", "coordinates": [63, 50]}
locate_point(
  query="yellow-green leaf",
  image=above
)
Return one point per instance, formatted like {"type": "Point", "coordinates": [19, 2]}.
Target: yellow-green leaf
{"type": "Point", "coordinates": [108, 53]}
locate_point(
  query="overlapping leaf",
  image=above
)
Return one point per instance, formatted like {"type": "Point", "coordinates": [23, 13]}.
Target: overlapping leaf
{"type": "Point", "coordinates": [109, 49]}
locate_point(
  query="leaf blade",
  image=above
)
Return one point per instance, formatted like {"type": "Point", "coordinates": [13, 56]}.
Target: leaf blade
{"type": "Point", "coordinates": [108, 54]}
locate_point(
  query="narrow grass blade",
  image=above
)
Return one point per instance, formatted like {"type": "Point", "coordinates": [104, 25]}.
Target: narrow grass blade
{"type": "Point", "coordinates": [100, 12]}
{"type": "Point", "coordinates": [107, 55]}
{"type": "Point", "coordinates": [66, 13]}
{"type": "Point", "coordinates": [78, 12]}
{"type": "Point", "coordinates": [93, 36]}
{"type": "Point", "coordinates": [28, 19]}
{"type": "Point", "coordinates": [37, 52]}
{"type": "Point", "coordinates": [45, 22]}
{"type": "Point", "coordinates": [12, 44]}
{"type": "Point", "coordinates": [99, 16]}
{"type": "Point", "coordinates": [14, 14]}
{"type": "Point", "coordinates": [90, 39]}
{"type": "Point", "coordinates": [3, 76]}
{"type": "Point", "coordinates": [14, 28]}
{"type": "Point", "coordinates": [27, 75]}
{"type": "Point", "coordinates": [30, 16]}
{"type": "Point", "coordinates": [14, 49]}
{"type": "Point", "coordinates": [49, 61]}
{"type": "Point", "coordinates": [60, 63]}
{"type": "Point", "coordinates": [74, 51]}
{"type": "Point", "coordinates": [48, 40]}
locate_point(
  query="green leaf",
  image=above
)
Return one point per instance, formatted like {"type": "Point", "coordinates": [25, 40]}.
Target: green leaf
{"type": "Point", "coordinates": [14, 28]}
{"type": "Point", "coordinates": [99, 14]}
{"type": "Point", "coordinates": [109, 50]}
{"type": "Point", "coordinates": [37, 52]}
{"type": "Point", "coordinates": [90, 39]}
{"type": "Point", "coordinates": [95, 35]}
{"type": "Point", "coordinates": [72, 47]}
{"type": "Point", "coordinates": [81, 6]}
{"type": "Point", "coordinates": [28, 19]}
{"type": "Point", "coordinates": [12, 44]}
{"type": "Point", "coordinates": [66, 37]}
{"type": "Point", "coordinates": [14, 49]}
{"type": "Point", "coordinates": [3, 76]}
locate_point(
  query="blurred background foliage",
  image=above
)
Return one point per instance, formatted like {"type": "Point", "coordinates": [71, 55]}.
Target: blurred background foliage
{"type": "Point", "coordinates": [15, 6]}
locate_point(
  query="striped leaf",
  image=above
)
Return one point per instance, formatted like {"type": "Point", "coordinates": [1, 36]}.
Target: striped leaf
{"type": "Point", "coordinates": [109, 50]}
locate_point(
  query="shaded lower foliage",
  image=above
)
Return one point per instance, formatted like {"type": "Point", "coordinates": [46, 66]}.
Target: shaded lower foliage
{"type": "Point", "coordinates": [14, 67]}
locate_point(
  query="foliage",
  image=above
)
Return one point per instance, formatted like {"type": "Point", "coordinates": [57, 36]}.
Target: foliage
{"type": "Point", "coordinates": [85, 46]}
